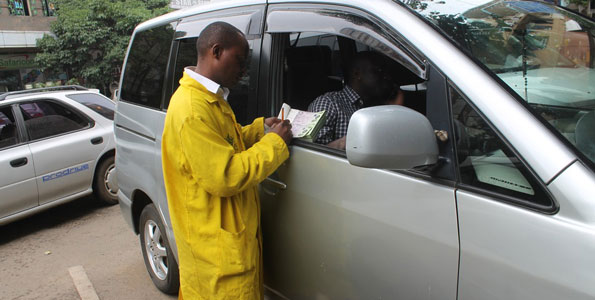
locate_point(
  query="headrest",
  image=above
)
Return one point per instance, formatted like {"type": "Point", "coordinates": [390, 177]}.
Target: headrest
{"type": "Point", "coordinates": [317, 56]}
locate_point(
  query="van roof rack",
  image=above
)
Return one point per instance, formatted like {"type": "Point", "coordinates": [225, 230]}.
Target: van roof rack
{"type": "Point", "coordinates": [45, 89]}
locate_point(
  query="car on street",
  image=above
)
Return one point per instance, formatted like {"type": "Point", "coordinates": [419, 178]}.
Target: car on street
{"type": "Point", "coordinates": [56, 145]}
{"type": "Point", "coordinates": [480, 186]}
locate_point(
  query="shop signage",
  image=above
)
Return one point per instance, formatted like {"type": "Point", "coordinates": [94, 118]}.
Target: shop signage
{"type": "Point", "coordinates": [17, 61]}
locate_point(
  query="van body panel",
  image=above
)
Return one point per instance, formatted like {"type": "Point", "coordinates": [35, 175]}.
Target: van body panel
{"type": "Point", "coordinates": [336, 231]}
{"type": "Point", "coordinates": [341, 231]}
{"type": "Point", "coordinates": [548, 254]}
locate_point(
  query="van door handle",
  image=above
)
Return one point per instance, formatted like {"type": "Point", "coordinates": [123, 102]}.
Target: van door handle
{"type": "Point", "coordinates": [275, 183]}
{"type": "Point", "coordinates": [97, 140]}
{"type": "Point", "coordinates": [19, 162]}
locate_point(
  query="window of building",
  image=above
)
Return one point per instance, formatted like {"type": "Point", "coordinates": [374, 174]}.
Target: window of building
{"type": "Point", "coordinates": [45, 119]}
{"type": "Point", "coordinates": [18, 7]}
{"type": "Point", "coordinates": [30, 7]}
{"type": "Point", "coordinates": [48, 8]}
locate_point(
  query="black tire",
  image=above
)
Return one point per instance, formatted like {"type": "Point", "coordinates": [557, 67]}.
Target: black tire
{"type": "Point", "coordinates": [105, 185]}
{"type": "Point", "coordinates": [159, 259]}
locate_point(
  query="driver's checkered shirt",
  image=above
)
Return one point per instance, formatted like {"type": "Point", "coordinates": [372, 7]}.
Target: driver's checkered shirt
{"type": "Point", "coordinates": [339, 106]}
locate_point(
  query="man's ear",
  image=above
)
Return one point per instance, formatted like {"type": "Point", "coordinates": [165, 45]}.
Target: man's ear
{"type": "Point", "coordinates": [216, 51]}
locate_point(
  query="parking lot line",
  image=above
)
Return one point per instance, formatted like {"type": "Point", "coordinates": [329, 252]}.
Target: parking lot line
{"type": "Point", "coordinates": [82, 283]}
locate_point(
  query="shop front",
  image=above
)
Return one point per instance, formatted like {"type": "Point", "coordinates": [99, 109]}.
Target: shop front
{"type": "Point", "coordinates": [19, 71]}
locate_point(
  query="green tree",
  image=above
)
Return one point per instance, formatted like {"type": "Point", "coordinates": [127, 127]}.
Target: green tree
{"type": "Point", "coordinates": [89, 37]}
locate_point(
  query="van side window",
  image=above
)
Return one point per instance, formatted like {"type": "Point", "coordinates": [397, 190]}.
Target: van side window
{"type": "Point", "coordinates": [315, 56]}
{"type": "Point", "coordinates": [45, 118]}
{"type": "Point", "coordinates": [317, 63]}
{"type": "Point", "coordinates": [486, 162]}
{"type": "Point", "coordinates": [239, 94]}
{"type": "Point", "coordinates": [146, 66]}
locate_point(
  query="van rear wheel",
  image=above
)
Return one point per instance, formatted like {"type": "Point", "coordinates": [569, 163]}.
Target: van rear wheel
{"type": "Point", "coordinates": [157, 253]}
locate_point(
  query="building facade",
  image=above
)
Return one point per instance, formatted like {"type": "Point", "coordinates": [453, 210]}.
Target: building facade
{"type": "Point", "coordinates": [22, 22]}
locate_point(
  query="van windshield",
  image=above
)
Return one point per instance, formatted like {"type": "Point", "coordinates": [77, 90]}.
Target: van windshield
{"type": "Point", "coordinates": [544, 53]}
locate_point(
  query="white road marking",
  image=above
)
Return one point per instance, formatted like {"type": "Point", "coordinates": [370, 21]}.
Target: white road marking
{"type": "Point", "coordinates": [82, 283]}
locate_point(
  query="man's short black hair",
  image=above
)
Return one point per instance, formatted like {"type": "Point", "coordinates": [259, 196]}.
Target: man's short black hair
{"type": "Point", "coordinates": [221, 33]}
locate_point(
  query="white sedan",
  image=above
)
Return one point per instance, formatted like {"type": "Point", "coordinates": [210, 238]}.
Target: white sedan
{"type": "Point", "coordinates": [56, 145]}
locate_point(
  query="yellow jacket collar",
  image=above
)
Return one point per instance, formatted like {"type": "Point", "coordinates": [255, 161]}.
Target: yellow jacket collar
{"type": "Point", "coordinates": [189, 82]}
{"type": "Point", "coordinates": [209, 84]}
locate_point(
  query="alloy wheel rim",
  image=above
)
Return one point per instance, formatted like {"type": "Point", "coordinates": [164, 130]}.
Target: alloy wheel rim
{"type": "Point", "coordinates": [156, 250]}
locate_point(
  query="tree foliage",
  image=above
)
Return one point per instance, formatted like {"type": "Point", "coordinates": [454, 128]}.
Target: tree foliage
{"type": "Point", "coordinates": [89, 37]}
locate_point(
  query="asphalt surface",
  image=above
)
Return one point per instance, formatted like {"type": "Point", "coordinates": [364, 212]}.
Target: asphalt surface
{"type": "Point", "coordinates": [37, 253]}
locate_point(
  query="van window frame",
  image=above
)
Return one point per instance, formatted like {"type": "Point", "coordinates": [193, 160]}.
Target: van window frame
{"type": "Point", "coordinates": [191, 27]}
{"type": "Point", "coordinates": [541, 190]}
{"type": "Point", "coordinates": [439, 114]}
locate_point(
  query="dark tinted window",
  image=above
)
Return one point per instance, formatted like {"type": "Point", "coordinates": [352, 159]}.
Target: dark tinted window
{"type": "Point", "coordinates": [146, 65]}
{"type": "Point", "coordinates": [45, 118]}
{"type": "Point", "coordinates": [98, 103]}
{"type": "Point", "coordinates": [8, 129]}
{"type": "Point", "coordinates": [239, 94]}
{"type": "Point", "coordinates": [486, 162]}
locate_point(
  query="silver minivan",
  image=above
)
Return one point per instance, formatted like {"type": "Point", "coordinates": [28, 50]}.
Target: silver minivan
{"type": "Point", "coordinates": [502, 206]}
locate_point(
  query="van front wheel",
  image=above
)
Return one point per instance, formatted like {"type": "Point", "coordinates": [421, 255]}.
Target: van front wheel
{"type": "Point", "coordinates": [159, 259]}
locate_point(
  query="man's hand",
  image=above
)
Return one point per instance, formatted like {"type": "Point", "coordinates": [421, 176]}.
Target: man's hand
{"type": "Point", "coordinates": [271, 121]}
{"type": "Point", "coordinates": [283, 129]}
{"type": "Point", "coordinates": [338, 143]}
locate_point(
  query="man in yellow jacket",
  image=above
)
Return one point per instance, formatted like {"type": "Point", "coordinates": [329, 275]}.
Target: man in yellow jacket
{"type": "Point", "coordinates": [211, 167]}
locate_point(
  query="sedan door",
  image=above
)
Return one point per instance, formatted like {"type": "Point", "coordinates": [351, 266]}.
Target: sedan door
{"type": "Point", "coordinates": [65, 145]}
{"type": "Point", "coordinates": [18, 189]}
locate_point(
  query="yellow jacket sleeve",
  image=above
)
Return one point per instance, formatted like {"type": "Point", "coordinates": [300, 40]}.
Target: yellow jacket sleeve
{"type": "Point", "coordinates": [253, 133]}
{"type": "Point", "coordinates": [218, 168]}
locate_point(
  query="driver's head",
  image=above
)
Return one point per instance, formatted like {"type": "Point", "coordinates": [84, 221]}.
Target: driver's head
{"type": "Point", "coordinates": [369, 78]}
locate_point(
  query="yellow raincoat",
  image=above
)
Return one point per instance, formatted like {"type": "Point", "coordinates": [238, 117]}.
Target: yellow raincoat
{"type": "Point", "coordinates": [211, 167]}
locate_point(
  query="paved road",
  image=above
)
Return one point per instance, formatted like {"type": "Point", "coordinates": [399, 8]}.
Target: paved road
{"type": "Point", "coordinates": [37, 252]}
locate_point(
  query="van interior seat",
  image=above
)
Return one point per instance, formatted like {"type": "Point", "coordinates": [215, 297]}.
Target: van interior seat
{"type": "Point", "coordinates": [308, 75]}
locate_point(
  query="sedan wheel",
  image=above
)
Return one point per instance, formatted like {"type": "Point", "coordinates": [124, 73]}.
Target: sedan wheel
{"type": "Point", "coordinates": [105, 185]}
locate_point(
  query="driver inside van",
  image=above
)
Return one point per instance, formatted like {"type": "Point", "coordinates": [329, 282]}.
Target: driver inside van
{"type": "Point", "coordinates": [367, 83]}
{"type": "Point", "coordinates": [212, 167]}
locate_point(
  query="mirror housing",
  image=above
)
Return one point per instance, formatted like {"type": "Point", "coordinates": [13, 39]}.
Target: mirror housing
{"type": "Point", "coordinates": [390, 137]}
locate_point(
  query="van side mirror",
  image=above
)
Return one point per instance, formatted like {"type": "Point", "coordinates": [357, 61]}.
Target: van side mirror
{"type": "Point", "coordinates": [390, 137]}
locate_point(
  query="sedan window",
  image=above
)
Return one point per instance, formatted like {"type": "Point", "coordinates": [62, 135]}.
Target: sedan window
{"type": "Point", "coordinates": [45, 118]}
{"type": "Point", "coordinates": [97, 103]}
{"type": "Point", "coordinates": [8, 129]}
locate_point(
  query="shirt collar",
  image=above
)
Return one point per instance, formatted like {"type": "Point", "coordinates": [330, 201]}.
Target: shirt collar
{"type": "Point", "coordinates": [210, 85]}
{"type": "Point", "coordinates": [352, 95]}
